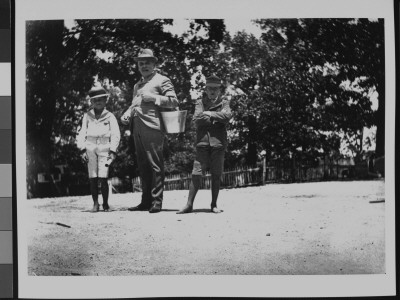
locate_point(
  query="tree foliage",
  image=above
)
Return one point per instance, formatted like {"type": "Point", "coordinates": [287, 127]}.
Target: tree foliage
{"type": "Point", "coordinates": [341, 51]}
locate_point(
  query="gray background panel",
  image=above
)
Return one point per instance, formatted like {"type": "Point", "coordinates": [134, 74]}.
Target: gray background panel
{"type": "Point", "coordinates": [5, 182]}
{"type": "Point", "coordinates": [6, 284]}
{"type": "Point", "coordinates": [5, 146]}
{"type": "Point", "coordinates": [6, 255]}
{"type": "Point", "coordinates": [6, 213]}
{"type": "Point", "coordinates": [5, 112]}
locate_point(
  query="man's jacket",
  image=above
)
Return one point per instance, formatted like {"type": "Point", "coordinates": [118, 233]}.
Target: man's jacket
{"type": "Point", "coordinates": [149, 112]}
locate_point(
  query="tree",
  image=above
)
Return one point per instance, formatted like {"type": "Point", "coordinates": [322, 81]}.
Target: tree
{"type": "Point", "coordinates": [353, 50]}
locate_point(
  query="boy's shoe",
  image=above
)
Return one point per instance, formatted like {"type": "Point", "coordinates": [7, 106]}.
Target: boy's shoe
{"type": "Point", "coordinates": [95, 208]}
{"type": "Point", "coordinates": [155, 208]}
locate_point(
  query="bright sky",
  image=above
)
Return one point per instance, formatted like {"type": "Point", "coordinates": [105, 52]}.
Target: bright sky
{"type": "Point", "coordinates": [232, 26]}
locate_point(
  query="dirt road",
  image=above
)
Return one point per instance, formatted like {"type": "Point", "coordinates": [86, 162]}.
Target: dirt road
{"type": "Point", "coordinates": [304, 228]}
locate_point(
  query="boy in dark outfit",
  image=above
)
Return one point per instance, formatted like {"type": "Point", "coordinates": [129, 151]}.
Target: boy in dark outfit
{"type": "Point", "coordinates": [212, 113]}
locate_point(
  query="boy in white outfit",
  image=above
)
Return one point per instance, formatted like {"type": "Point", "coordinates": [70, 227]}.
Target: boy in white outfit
{"type": "Point", "coordinates": [98, 140]}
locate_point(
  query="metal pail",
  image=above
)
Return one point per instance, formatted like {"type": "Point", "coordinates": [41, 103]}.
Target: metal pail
{"type": "Point", "coordinates": [174, 121]}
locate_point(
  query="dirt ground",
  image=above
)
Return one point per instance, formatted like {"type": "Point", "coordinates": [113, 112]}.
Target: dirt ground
{"type": "Point", "coordinates": [304, 228]}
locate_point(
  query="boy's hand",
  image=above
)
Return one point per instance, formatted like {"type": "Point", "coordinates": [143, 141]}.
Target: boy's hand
{"type": "Point", "coordinates": [84, 157]}
{"type": "Point", "coordinates": [110, 159]}
{"type": "Point", "coordinates": [112, 155]}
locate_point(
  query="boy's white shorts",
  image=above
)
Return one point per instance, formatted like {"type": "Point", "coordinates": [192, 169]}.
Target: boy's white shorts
{"type": "Point", "coordinates": [97, 150]}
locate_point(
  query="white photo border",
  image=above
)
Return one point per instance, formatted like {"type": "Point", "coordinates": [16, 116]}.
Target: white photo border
{"type": "Point", "coordinates": [217, 286]}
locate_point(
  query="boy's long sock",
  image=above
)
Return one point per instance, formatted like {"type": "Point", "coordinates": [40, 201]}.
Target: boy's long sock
{"type": "Point", "coordinates": [215, 184]}
{"type": "Point", "coordinates": [104, 191]}
{"type": "Point", "coordinates": [94, 189]}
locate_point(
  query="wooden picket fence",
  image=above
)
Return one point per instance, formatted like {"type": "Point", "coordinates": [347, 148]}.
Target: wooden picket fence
{"type": "Point", "coordinates": [231, 178]}
{"type": "Point", "coordinates": [247, 176]}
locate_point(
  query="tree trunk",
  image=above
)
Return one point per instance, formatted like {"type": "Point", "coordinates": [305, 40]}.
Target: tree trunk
{"type": "Point", "coordinates": [43, 92]}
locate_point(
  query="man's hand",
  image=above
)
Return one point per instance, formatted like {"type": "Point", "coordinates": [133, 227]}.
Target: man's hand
{"type": "Point", "coordinates": [84, 157]}
{"type": "Point", "coordinates": [149, 97]}
{"type": "Point", "coordinates": [126, 116]}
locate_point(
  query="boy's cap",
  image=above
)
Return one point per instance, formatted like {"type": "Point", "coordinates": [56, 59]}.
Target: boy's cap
{"type": "Point", "coordinates": [213, 81]}
{"type": "Point", "coordinates": [145, 54]}
{"type": "Point", "coordinates": [96, 92]}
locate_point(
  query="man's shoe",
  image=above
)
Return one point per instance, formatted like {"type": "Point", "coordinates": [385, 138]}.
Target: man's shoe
{"type": "Point", "coordinates": [155, 208]}
{"type": "Point", "coordinates": [140, 207]}
{"type": "Point", "coordinates": [106, 207]}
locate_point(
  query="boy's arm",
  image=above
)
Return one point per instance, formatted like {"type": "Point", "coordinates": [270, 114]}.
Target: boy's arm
{"type": "Point", "coordinates": [115, 134]}
{"type": "Point", "coordinates": [199, 118]}
{"type": "Point", "coordinates": [81, 137]}
{"type": "Point", "coordinates": [224, 115]}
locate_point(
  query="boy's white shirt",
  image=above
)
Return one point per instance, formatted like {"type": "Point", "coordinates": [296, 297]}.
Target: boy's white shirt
{"type": "Point", "coordinates": [105, 126]}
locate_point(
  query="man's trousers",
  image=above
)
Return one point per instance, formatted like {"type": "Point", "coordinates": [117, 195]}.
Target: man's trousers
{"type": "Point", "coordinates": [149, 153]}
